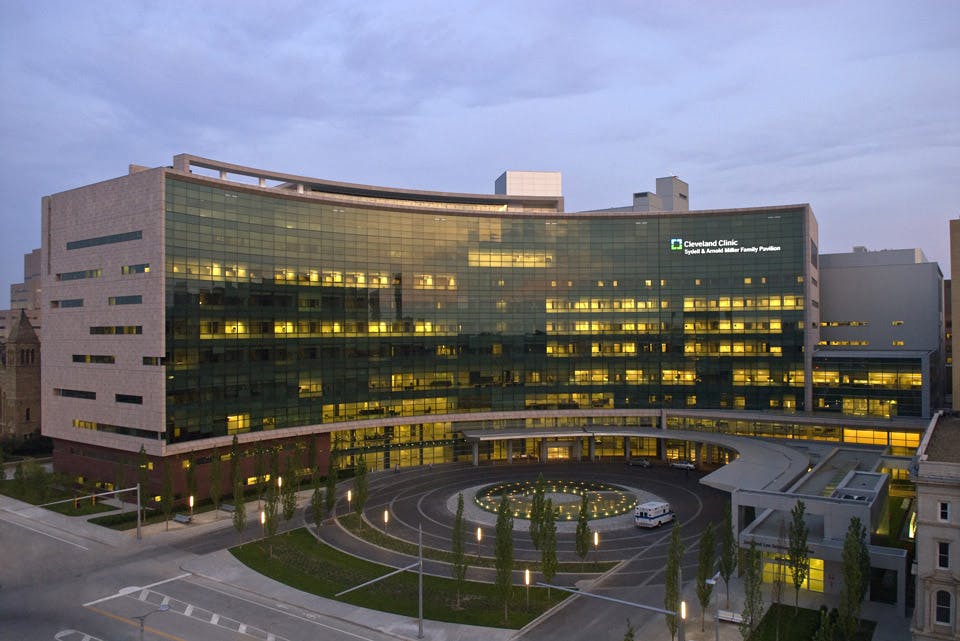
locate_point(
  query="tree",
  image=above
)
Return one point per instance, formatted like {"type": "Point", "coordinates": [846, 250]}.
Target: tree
{"type": "Point", "coordinates": [631, 633]}
{"type": "Point", "coordinates": [536, 510]}
{"type": "Point", "coordinates": [671, 588]}
{"type": "Point", "coordinates": [216, 482]}
{"type": "Point", "coordinates": [548, 544]}
{"type": "Point", "coordinates": [360, 487]}
{"type": "Point", "coordinates": [728, 551]}
{"type": "Point", "coordinates": [316, 505]}
{"type": "Point", "coordinates": [330, 495]}
{"type": "Point", "coordinates": [258, 472]}
{"type": "Point", "coordinates": [240, 509]}
{"type": "Point", "coordinates": [234, 461]}
{"type": "Point", "coordinates": [166, 493]}
{"type": "Point", "coordinates": [459, 562]}
{"type": "Point", "coordinates": [311, 455]}
{"type": "Point", "coordinates": [779, 580]}
{"type": "Point", "coordinates": [583, 531]}
{"type": "Point", "coordinates": [270, 508]}
{"type": "Point", "coordinates": [752, 597]}
{"type": "Point", "coordinates": [191, 474]}
{"type": "Point", "coordinates": [855, 557]}
{"type": "Point", "coordinates": [20, 480]}
{"type": "Point", "coordinates": [705, 570]}
{"type": "Point", "coordinates": [503, 550]}
{"type": "Point", "coordinates": [797, 553]}
{"type": "Point", "coordinates": [143, 478]}
{"type": "Point", "coordinates": [290, 487]}
{"type": "Point", "coordinates": [826, 631]}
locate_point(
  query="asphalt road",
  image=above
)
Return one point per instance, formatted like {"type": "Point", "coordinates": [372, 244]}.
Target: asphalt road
{"type": "Point", "coordinates": [420, 497]}
{"type": "Point", "coordinates": [57, 584]}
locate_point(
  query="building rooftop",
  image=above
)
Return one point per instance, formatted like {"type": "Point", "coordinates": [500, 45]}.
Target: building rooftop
{"type": "Point", "coordinates": [944, 443]}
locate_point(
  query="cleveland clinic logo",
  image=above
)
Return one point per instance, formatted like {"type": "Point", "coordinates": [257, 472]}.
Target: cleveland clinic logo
{"type": "Point", "coordinates": [676, 244]}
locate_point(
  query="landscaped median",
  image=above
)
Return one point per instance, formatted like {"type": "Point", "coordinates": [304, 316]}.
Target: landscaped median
{"type": "Point", "coordinates": [299, 560]}
{"type": "Point", "coordinates": [351, 523]}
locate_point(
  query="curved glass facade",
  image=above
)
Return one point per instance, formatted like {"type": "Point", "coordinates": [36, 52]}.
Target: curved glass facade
{"type": "Point", "coordinates": [284, 311]}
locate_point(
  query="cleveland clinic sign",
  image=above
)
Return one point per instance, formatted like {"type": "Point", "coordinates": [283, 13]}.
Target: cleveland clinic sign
{"type": "Point", "coordinates": [718, 246]}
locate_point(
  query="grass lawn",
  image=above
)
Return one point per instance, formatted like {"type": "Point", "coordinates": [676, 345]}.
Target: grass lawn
{"type": "Point", "coordinates": [51, 493]}
{"type": "Point", "coordinates": [799, 626]}
{"type": "Point", "coordinates": [297, 559]}
{"type": "Point", "coordinates": [376, 536]}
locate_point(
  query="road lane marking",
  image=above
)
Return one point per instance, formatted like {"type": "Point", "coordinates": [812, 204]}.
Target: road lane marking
{"type": "Point", "coordinates": [136, 624]}
{"type": "Point", "coordinates": [27, 527]}
{"type": "Point", "coordinates": [126, 591]}
{"type": "Point", "coordinates": [287, 613]}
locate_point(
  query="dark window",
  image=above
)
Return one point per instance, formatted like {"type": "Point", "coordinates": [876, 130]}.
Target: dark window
{"type": "Point", "coordinates": [944, 607]}
{"type": "Point", "coordinates": [943, 555]}
{"type": "Point", "coordinates": [944, 511]}
{"type": "Point", "coordinates": [88, 273]}
{"type": "Point", "coordinates": [154, 360]}
{"type": "Point", "coordinates": [105, 240]}
{"type": "Point", "coordinates": [68, 302]}
{"type": "Point", "coordinates": [125, 300]}
{"type": "Point", "coordinates": [75, 393]}
{"type": "Point", "coordinates": [129, 398]}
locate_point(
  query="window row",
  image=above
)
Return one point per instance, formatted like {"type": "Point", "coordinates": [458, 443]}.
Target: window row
{"type": "Point", "coordinates": [92, 396]}
{"type": "Point", "coordinates": [105, 240]}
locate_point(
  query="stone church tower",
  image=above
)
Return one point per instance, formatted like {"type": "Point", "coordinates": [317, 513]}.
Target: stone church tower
{"type": "Point", "coordinates": [20, 382]}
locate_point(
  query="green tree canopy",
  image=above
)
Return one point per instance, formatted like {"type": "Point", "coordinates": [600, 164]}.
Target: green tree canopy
{"type": "Point", "coordinates": [503, 552]}
{"type": "Point", "coordinates": [798, 554]}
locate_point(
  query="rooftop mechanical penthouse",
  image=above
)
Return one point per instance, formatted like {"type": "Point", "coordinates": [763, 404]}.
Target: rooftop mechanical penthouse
{"type": "Point", "coordinates": [187, 304]}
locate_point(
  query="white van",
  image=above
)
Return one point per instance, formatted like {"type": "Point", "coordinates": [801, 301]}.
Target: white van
{"type": "Point", "coordinates": [652, 514]}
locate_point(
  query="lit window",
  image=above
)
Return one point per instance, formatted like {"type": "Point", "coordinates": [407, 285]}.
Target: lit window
{"type": "Point", "coordinates": [747, 280]}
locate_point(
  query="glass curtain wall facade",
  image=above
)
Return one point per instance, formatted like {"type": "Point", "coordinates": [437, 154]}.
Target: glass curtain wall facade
{"type": "Point", "coordinates": [285, 312]}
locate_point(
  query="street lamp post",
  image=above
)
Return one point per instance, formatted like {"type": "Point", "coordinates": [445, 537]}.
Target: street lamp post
{"type": "Point", "coordinates": [386, 519]}
{"type": "Point", "coordinates": [596, 546]}
{"type": "Point", "coordinates": [479, 537]}
{"type": "Point", "coordinates": [349, 498]}
{"type": "Point", "coordinates": [263, 522]}
{"type": "Point", "coordinates": [191, 505]}
{"type": "Point", "coordinates": [681, 628]}
{"type": "Point", "coordinates": [526, 582]}
{"type": "Point", "coordinates": [143, 617]}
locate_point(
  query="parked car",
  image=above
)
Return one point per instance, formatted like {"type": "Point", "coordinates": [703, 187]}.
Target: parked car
{"type": "Point", "coordinates": [639, 462]}
{"type": "Point", "coordinates": [683, 465]}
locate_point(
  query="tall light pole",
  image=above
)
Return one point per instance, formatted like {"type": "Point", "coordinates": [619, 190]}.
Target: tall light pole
{"type": "Point", "coordinates": [386, 519]}
{"type": "Point", "coordinates": [263, 522]}
{"type": "Point", "coordinates": [479, 537]}
{"type": "Point", "coordinates": [596, 545]}
{"type": "Point", "coordinates": [681, 628]}
{"type": "Point", "coordinates": [349, 498]}
{"type": "Point", "coordinates": [143, 617]}
{"type": "Point", "coordinates": [526, 582]}
{"type": "Point", "coordinates": [191, 505]}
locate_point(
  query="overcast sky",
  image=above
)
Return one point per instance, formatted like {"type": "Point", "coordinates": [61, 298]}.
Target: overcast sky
{"type": "Point", "coordinates": [853, 107]}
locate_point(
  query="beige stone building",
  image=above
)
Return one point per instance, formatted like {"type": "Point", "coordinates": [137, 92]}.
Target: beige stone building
{"type": "Point", "coordinates": [937, 475]}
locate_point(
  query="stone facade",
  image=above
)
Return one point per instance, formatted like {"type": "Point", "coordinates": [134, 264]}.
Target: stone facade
{"type": "Point", "coordinates": [20, 382]}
